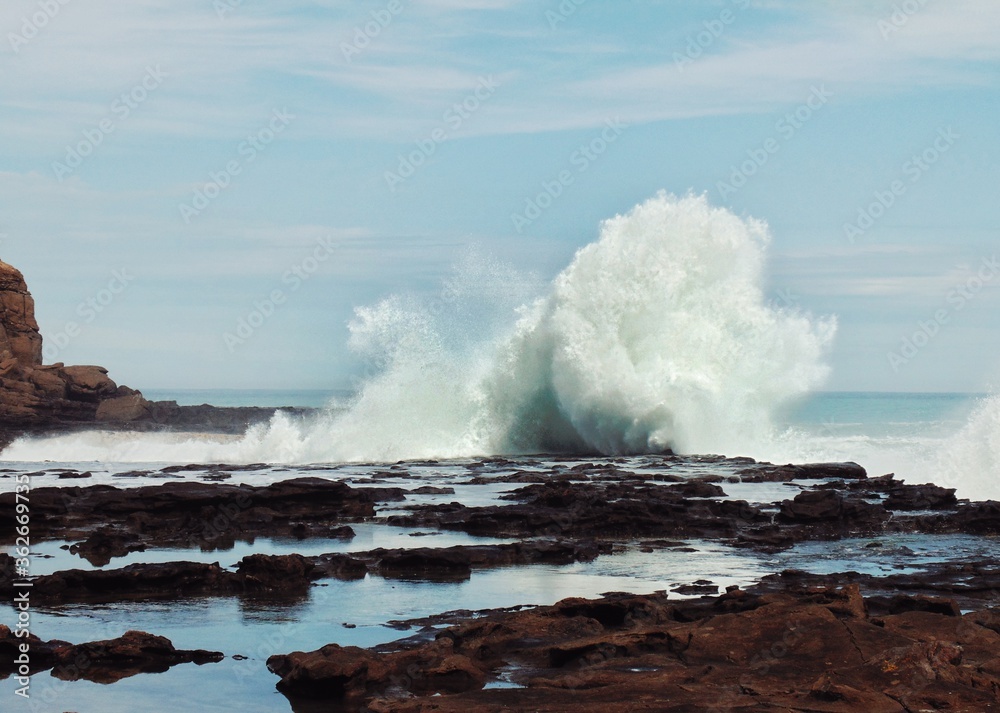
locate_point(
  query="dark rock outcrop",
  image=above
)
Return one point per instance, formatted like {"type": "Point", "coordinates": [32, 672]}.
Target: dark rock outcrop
{"type": "Point", "coordinates": [37, 398]}
{"type": "Point", "coordinates": [921, 497]}
{"type": "Point", "coordinates": [766, 473]}
{"type": "Point", "coordinates": [275, 576]}
{"type": "Point", "coordinates": [823, 505]}
{"type": "Point", "coordinates": [456, 563]}
{"type": "Point", "coordinates": [205, 515]}
{"type": "Point", "coordinates": [32, 394]}
{"type": "Point", "coordinates": [289, 576]}
{"type": "Point", "coordinates": [795, 650]}
{"type": "Point", "coordinates": [108, 661]}
{"type": "Point", "coordinates": [106, 543]}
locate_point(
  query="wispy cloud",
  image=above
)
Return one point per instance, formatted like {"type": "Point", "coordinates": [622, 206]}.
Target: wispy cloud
{"type": "Point", "coordinates": [221, 69]}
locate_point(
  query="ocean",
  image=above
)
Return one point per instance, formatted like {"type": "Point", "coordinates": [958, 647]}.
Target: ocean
{"type": "Point", "coordinates": [942, 437]}
{"type": "Point", "coordinates": [270, 398]}
{"type": "Point", "coordinates": [864, 427]}
{"type": "Point", "coordinates": [657, 336]}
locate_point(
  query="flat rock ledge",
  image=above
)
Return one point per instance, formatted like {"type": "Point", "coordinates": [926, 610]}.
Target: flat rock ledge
{"type": "Point", "coordinates": [107, 661]}
{"type": "Point", "coordinates": [817, 649]}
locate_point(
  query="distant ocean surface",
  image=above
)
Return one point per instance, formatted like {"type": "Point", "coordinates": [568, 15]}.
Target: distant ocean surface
{"type": "Point", "coordinates": [880, 414]}
{"type": "Point", "coordinates": [876, 414]}
{"type": "Point", "coordinates": [269, 398]}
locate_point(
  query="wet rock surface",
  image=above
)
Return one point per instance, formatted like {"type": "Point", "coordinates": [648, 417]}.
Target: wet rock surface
{"type": "Point", "coordinates": [800, 649]}
{"type": "Point", "coordinates": [640, 506]}
{"type": "Point", "coordinates": [191, 513]}
{"type": "Point", "coordinates": [458, 562]}
{"type": "Point", "coordinates": [105, 544]}
{"type": "Point", "coordinates": [767, 473]}
{"type": "Point", "coordinates": [107, 661]}
{"type": "Point", "coordinates": [282, 576]}
{"type": "Point", "coordinates": [922, 638]}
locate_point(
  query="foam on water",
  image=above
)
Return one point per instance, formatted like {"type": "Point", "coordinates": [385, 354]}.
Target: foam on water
{"type": "Point", "coordinates": [970, 461]}
{"type": "Point", "coordinates": [656, 336]}
{"type": "Point", "coordinates": [961, 450]}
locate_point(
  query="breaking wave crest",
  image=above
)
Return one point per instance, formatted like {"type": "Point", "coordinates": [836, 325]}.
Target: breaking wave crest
{"type": "Point", "coordinates": [656, 336]}
{"type": "Point", "coordinates": [970, 460]}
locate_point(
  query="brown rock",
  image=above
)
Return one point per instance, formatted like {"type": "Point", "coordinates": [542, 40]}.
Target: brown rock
{"type": "Point", "coordinates": [88, 383]}
{"type": "Point", "coordinates": [32, 395]}
{"type": "Point", "coordinates": [123, 408]}
{"type": "Point", "coordinates": [812, 650]}
{"type": "Point", "coordinates": [42, 654]}
{"type": "Point", "coordinates": [332, 672]}
{"type": "Point", "coordinates": [100, 661]}
{"type": "Point", "coordinates": [132, 653]}
{"type": "Point", "coordinates": [19, 337]}
{"type": "Point", "coordinates": [834, 510]}
{"type": "Point", "coordinates": [106, 543]}
{"type": "Point", "coordinates": [49, 381]}
{"type": "Point", "coordinates": [165, 580]}
{"type": "Point", "coordinates": [196, 514]}
{"type": "Point", "coordinates": [274, 572]}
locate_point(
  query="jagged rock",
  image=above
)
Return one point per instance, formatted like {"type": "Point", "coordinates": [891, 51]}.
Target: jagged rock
{"type": "Point", "coordinates": [19, 336]}
{"type": "Point", "coordinates": [42, 654]}
{"type": "Point", "coordinates": [807, 650]}
{"type": "Point", "coordinates": [278, 575]}
{"type": "Point", "coordinates": [334, 671]}
{"type": "Point", "coordinates": [274, 572]}
{"type": "Point", "coordinates": [124, 407]}
{"type": "Point", "coordinates": [6, 569]}
{"type": "Point", "coordinates": [812, 506]}
{"type": "Point", "coordinates": [920, 497]}
{"type": "Point", "coordinates": [33, 395]}
{"type": "Point", "coordinates": [698, 489]}
{"type": "Point", "coordinates": [765, 473]}
{"type": "Point", "coordinates": [100, 661]}
{"type": "Point", "coordinates": [165, 580]}
{"type": "Point", "coordinates": [456, 563]}
{"type": "Point", "coordinates": [36, 397]}
{"type": "Point", "coordinates": [106, 543]}
{"type": "Point", "coordinates": [132, 653]}
{"type": "Point", "coordinates": [193, 513]}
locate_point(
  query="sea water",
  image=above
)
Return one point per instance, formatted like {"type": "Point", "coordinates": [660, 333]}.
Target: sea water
{"type": "Point", "coordinates": [657, 336]}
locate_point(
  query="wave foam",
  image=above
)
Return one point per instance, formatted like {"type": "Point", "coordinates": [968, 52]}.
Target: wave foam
{"type": "Point", "coordinates": [970, 461]}
{"type": "Point", "coordinates": [656, 336]}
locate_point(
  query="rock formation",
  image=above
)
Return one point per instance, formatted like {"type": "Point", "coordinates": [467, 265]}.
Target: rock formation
{"type": "Point", "coordinates": [32, 394]}
{"type": "Point", "coordinates": [817, 649]}
{"type": "Point", "coordinates": [41, 398]}
{"type": "Point", "coordinates": [103, 662]}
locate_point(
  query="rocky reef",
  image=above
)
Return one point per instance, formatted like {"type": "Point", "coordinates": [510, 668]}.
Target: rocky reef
{"type": "Point", "coordinates": [794, 649]}
{"type": "Point", "coordinates": [912, 634]}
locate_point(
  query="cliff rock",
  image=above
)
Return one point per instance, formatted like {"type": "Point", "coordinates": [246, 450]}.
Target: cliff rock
{"type": "Point", "coordinates": [32, 394]}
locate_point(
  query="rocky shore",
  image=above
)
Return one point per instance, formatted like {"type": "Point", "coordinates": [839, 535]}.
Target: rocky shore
{"type": "Point", "coordinates": [919, 639]}
{"type": "Point", "coordinates": [816, 648]}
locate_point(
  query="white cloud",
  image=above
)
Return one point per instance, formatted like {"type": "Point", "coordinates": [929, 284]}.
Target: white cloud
{"type": "Point", "coordinates": [221, 70]}
{"type": "Point", "coordinates": [905, 273]}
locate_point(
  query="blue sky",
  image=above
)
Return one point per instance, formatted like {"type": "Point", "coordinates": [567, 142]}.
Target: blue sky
{"type": "Point", "coordinates": [227, 140]}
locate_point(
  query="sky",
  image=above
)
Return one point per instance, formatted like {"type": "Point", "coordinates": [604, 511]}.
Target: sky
{"type": "Point", "coordinates": [201, 192]}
